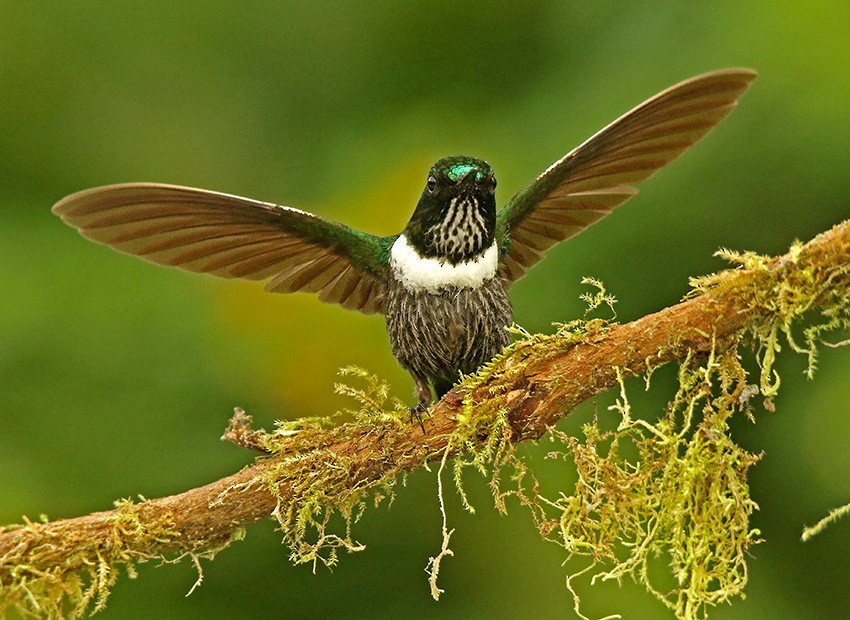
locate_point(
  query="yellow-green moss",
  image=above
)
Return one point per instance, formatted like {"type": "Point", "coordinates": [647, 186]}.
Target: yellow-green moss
{"type": "Point", "coordinates": [833, 516]}
{"type": "Point", "coordinates": [317, 503]}
{"type": "Point", "coordinates": [780, 298]}
{"type": "Point", "coordinates": [63, 576]}
{"type": "Point", "coordinates": [683, 498]}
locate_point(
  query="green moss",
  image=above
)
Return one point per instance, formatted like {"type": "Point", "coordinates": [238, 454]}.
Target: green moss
{"type": "Point", "coordinates": [684, 500]}
{"type": "Point", "coordinates": [781, 298]}
{"type": "Point", "coordinates": [317, 503]}
{"type": "Point", "coordinates": [681, 499]}
{"type": "Point", "coordinates": [62, 576]}
{"type": "Point", "coordinates": [833, 516]}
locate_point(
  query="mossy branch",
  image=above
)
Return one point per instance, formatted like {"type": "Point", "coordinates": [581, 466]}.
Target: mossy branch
{"type": "Point", "coordinates": [314, 470]}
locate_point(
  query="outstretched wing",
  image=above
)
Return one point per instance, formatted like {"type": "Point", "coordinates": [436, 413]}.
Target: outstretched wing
{"type": "Point", "coordinates": [591, 180]}
{"type": "Point", "coordinates": [235, 237]}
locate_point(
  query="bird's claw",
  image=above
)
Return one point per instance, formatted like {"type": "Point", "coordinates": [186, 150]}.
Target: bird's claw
{"type": "Point", "coordinates": [416, 414]}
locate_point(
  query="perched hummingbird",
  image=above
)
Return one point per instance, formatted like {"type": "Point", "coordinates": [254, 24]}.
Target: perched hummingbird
{"type": "Point", "coordinates": [442, 283]}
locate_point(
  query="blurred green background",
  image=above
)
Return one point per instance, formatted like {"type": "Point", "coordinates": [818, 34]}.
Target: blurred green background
{"type": "Point", "coordinates": [117, 377]}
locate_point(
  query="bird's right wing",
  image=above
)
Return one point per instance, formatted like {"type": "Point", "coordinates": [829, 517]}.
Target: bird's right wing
{"type": "Point", "coordinates": [233, 237]}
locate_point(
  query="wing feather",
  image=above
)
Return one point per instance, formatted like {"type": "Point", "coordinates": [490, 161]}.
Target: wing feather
{"type": "Point", "coordinates": [599, 175]}
{"type": "Point", "coordinates": [340, 288]}
{"type": "Point", "coordinates": [233, 237]}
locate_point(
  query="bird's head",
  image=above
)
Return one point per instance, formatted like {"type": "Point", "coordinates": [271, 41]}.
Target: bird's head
{"type": "Point", "coordinates": [455, 218]}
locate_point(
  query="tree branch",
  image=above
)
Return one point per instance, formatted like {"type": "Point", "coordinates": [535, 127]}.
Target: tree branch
{"type": "Point", "coordinates": [536, 382]}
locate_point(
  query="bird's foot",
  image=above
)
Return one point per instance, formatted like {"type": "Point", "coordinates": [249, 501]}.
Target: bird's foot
{"type": "Point", "coordinates": [417, 412]}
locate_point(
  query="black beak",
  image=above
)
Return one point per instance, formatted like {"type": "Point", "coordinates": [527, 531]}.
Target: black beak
{"type": "Point", "coordinates": [468, 180]}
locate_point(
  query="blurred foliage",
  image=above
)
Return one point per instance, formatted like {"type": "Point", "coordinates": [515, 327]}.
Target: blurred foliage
{"type": "Point", "coordinates": [117, 377]}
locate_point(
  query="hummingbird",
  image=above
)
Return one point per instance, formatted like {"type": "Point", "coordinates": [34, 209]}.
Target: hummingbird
{"type": "Point", "coordinates": [442, 283]}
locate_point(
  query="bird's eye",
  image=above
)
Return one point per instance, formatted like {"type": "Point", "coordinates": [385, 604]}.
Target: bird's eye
{"type": "Point", "coordinates": [432, 184]}
{"type": "Point", "coordinates": [492, 186]}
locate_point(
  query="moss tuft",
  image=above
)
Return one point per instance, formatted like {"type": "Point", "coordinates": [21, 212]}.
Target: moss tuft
{"type": "Point", "coordinates": [64, 576]}
{"type": "Point", "coordinates": [317, 504]}
{"type": "Point", "coordinates": [684, 497]}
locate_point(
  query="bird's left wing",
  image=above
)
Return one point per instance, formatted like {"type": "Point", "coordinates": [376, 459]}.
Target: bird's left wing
{"type": "Point", "coordinates": [587, 183]}
{"type": "Point", "coordinates": [233, 237]}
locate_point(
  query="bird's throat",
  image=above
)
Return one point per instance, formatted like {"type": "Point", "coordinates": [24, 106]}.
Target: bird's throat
{"type": "Point", "coordinates": [464, 231]}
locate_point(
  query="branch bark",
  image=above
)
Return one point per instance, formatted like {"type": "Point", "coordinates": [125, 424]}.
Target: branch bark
{"type": "Point", "coordinates": [542, 387]}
